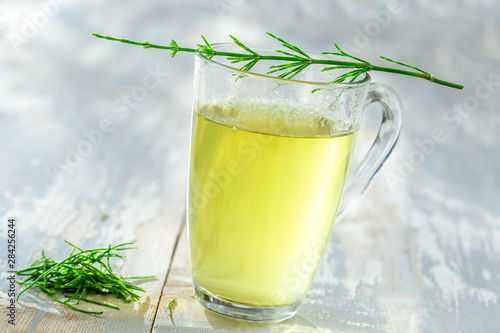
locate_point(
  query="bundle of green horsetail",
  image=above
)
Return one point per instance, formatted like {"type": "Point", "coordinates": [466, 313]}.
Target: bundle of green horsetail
{"type": "Point", "coordinates": [82, 273]}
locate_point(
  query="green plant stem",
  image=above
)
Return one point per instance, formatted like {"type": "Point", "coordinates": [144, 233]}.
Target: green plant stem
{"type": "Point", "coordinates": [419, 75]}
{"type": "Point", "coordinates": [299, 61]}
{"type": "Point", "coordinates": [83, 272]}
{"type": "Point", "coordinates": [146, 44]}
{"type": "Point", "coordinates": [169, 307]}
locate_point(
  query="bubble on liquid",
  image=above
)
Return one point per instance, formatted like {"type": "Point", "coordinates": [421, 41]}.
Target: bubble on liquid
{"type": "Point", "coordinates": [219, 111]}
{"type": "Point", "coordinates": [324, 125]}
{"type": "Point", "coordinates": [291, 119]}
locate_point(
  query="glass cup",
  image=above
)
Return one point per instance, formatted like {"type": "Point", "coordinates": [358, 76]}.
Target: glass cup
{"type": "Point", "coordinates": [267, 171]}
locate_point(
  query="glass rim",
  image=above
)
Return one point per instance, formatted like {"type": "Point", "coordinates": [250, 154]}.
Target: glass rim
{"type": "Point", "coordinates": [362, 82]}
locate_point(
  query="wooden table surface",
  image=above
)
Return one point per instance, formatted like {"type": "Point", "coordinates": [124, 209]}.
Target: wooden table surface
{"type": "Point", "coordinates": [89, 127]}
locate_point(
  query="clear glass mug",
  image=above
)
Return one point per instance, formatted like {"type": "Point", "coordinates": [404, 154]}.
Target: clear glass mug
{"type": "Point", "coordinates": [268, 165]}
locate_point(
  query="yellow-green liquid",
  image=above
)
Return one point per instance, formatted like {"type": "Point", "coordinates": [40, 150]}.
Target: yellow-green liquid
{"type": "Point", "coordinates": [261, 206]}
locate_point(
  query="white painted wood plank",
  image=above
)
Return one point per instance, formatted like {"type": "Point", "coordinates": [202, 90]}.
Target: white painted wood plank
{"type": "Point", "coordinates": [154, 236]}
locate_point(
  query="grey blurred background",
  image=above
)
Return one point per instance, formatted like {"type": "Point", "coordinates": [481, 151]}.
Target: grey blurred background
{"type": "Point", "coordinates": [58, 84]}
{"type": "Point", "coordinates": [58, 80]}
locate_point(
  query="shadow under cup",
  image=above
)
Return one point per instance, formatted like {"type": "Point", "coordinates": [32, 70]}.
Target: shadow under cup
{"type": "Point", "coordinates": [268, 165]}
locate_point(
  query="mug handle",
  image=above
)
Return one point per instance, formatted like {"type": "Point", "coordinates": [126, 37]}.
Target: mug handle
{"type": "Point", "coordinates": [383, 145]}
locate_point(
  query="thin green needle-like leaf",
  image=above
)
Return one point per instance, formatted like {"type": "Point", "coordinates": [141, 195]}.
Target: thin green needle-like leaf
{"type": "Point", "coordinates": [243, 46]}
{"type": "Point", "coordinates": [83, 273]}
{"type": "Point", "coordinates": [336, 67]}
{"type": "Point", "coordinates": [207, 43]}
{"type": "Point", "coordinates": [282, 67]}
{"type": "Point", "coordinates": [100, 303]}
{"type": "Point", "coordinates": [289, 46]}
{"type": "Point", "coordinates": [350, 56]}
{"type": "Point", "coordinates": [174, 46]}
{"type": "Point", "coordinates": [169, 307]}
{"type": "Point", "coordinates": [287, 57]}
{"type": "Point", "coordinates": [403, 64]}
{"type": "Point", "coordinates": [291, 73]}
{"type": "Point", "coordinates": [291, 55]}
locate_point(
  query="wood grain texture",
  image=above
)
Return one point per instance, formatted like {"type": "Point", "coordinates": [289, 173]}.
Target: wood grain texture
{"type": "Point", "coordinates": [136, 174]}
{"type": "Point", "coordinates": [189, 316]}
{"type": "Point", "coordinates": [353, 291]}
{"type": "Point", "coordinates": [419, 253]}
{"type": "Point", "coordinates": [155, 239]}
